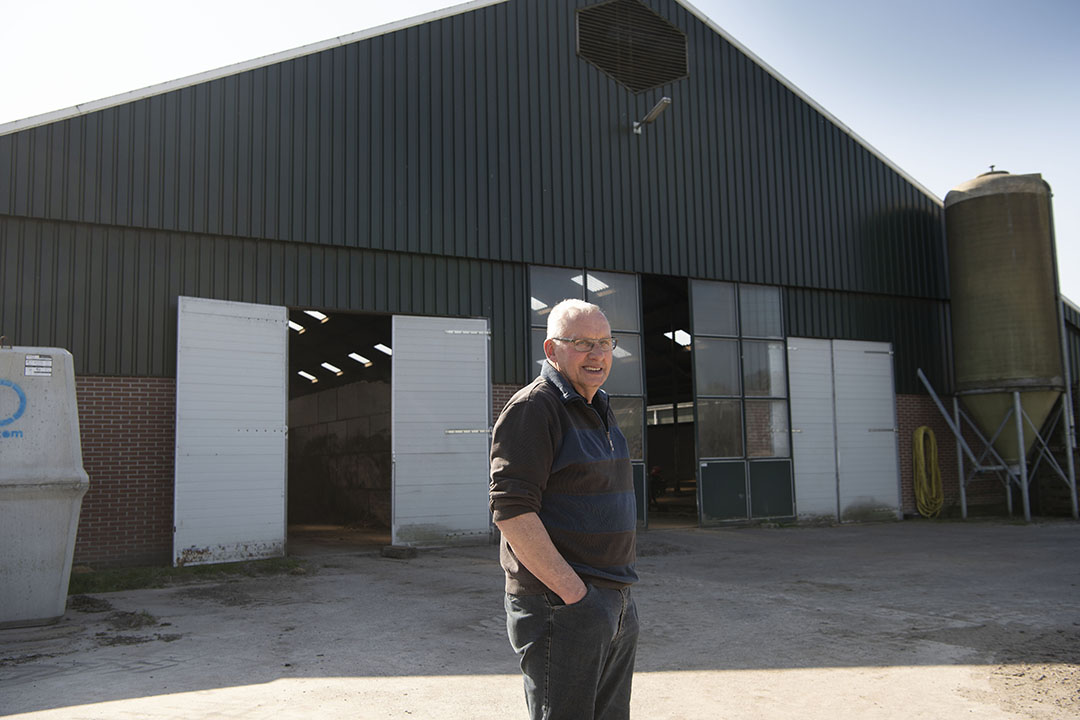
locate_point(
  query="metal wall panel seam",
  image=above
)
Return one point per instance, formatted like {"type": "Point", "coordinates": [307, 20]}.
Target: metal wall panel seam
{"type": "Point", "coordinates": [440, 146]}
{"type": "Point", "coordinates": [247, 134]}
{"type": "Point", "coordinates": [7, 172]}
{"type": "Point", "coordinates": [350, 129]}
{"type": "Point", "coordinates": [560, 29]}
{"type": "Point", "coordinates": [545, 143]}
{"type": "Point", "coordinates": [811, 177]}
{"type": "Point", "coordinates": [705, 149]}
{"type": "Point", "coordinates": [578, 176]}
{"type": "Point", "coordinates": [54, 164]}
{"type": "Point", "coordinates": [504, 236]}
{"type": "Point", "coordinates": [516, 180]}
{"type": "Point", "coordinates": [335, 153]}
{"type": "Point", "coordinates": [476, 105]}
{"type": "Point", "coordinates": [490, 238]}
{"type": "Point", "coordinates": [758, 173]}
{"type": "Point", "coordinates": [408, 93]}
{"type": "Point", "coordinates": [532, 205]}
{"type": "Point", "coordinates": [668, 212]}
{"type": "Point", "coordinates": [610, 254]}
{"type": "Point", "coordinates": [217, 183]}
{"type": "Point", "coordinates": [679, 129]}
{"type": "Point", "coordinates": [313, 225]}
{"type": "Point", "coordinates": [473, 111]}
{"type": "Point", "coordinates": [380, 122]}
{"type": "Point", "coordinates": [487, 120]}
{"type": "Point", "coordinates": [832, 230]}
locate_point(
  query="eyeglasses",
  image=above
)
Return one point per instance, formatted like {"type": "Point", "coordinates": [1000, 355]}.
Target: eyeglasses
{"type": "Point", "coordinates": [586, 345]}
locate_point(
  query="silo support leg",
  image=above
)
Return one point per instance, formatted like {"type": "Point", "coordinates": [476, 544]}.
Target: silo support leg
{"type": "Point", "coordinates": [960, 461]}
{"type": "Point", "coordinates": [1019, 413]}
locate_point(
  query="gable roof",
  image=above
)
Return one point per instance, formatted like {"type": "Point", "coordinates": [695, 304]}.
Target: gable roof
{"type": "Point", "coordinates": [342, 40]}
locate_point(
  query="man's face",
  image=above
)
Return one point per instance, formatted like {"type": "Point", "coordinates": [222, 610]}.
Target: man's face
{"type": "Point", "coordinates": [586, 371]}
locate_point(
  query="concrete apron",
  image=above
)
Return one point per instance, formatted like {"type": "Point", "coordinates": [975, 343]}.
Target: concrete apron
{"type": "Point", "coordinates": [912, 620]}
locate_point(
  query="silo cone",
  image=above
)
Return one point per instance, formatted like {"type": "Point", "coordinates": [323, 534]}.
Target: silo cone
{"type": "Point", "coordinates": [1004, 303]}
{"type": "Point", "coordinates": [42, 483]}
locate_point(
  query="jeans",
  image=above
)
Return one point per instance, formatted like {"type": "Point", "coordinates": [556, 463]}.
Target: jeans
{"type": "Point", "coordinates": [578, 660]}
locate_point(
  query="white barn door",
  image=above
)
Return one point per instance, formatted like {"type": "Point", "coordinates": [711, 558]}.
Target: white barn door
{"type": "Point", "coordinates": [866, 432]}
{"type": "Point", "coordinates": [813, 428]}
{"type": "Point", "coordinates": [441, 419]}
{"type": "Point", "coordinates": [231, 397]}
{"type": "Point", "coordinates": [843, 420]}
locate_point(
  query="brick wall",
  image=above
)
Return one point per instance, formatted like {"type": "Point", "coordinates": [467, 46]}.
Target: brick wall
{"type": "Point", "coordinates": [127, 427]}
{"type": "Point", "coordinates": [985, 492]}
{"type": "Point", "coordinates": [500, 395]}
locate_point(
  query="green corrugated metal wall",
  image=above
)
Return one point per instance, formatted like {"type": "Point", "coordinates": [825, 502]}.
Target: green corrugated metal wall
{"type": "Point", "coordinates": [475, 141]}
{"type": "Point", "coordinates": [918, 329]}
{"type": "Point", "coordinates": [112, 292]}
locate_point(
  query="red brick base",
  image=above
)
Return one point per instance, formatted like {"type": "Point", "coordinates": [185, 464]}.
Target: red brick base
{"type": "Point", "coordinates": [128, 443]}
{"type": "Point", "coordinates": [985, 493]}
{"type": "Point", "coordinates": [500, 395]}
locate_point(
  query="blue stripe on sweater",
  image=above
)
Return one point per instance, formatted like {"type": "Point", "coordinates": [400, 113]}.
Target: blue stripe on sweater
{"type": "Point", "coordinates": [594, 514]}
{"type": "Point", "coordinates": [584, 445]}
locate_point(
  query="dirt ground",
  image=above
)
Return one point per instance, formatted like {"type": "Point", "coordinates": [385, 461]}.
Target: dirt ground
{"type": "Point", "coordinates": [906, 620]}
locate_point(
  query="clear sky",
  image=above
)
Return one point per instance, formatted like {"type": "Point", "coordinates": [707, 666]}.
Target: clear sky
{"type": "Point", "coordinates": [943, 88]}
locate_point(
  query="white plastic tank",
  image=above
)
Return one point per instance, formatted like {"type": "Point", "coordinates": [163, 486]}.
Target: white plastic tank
{"type": "Point", "coordinates": [42, 483]}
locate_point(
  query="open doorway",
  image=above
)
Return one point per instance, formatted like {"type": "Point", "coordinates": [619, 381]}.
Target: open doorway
{"type": "Point", "coordinates": [671, 458]}
{"type": "Point", "coordinates": [339, 482]}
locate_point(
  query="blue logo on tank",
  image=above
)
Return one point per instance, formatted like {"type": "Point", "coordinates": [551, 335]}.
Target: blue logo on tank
{"type": "Point", "coordinates": [22, 402]}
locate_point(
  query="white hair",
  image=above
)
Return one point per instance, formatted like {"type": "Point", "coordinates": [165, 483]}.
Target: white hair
{"type": "Point", "coordinates": [566, 312]}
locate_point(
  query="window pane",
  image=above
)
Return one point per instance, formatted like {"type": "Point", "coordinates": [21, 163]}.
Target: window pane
{"type": "Point", "coordinates": [719, 428]}
{"type": "Point", "coordinates": [625, 377]}
{"type": "Point", "coordinates": [629, 414]}
{"type": "Point", "coordinates": [714, 308]}
{"type": "Point", "coordinates": [716, 366]}
{"type": "Point", "coordinates": [666, 415]}
{"type": "Point", "coordinates": [550, 286]}
{"type": "Point", "coordinates": [759, 310]}
{"type": "Point", "coordinates": [767, 432]}
{"type": "Point", "coordinates": [617, 295]}
{"type": "Point", "coordinates": [763, 369]}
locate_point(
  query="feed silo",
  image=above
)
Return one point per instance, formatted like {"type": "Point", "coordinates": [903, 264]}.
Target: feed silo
{"type": "Point", "coordinates": [1003, 288]}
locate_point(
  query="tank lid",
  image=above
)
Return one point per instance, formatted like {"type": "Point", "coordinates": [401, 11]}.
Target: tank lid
{"type": "Point", "coordinates": [997, 182]}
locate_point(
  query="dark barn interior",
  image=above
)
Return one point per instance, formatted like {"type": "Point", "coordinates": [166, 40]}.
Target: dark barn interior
{"type": "Point", "coordinates": [671, 457]}
{"type": "Point", "coordinates": [339, 482]}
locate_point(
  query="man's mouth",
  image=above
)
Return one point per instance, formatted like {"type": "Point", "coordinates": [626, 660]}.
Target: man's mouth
{"type": "Point", "coordinates": [594, 369]}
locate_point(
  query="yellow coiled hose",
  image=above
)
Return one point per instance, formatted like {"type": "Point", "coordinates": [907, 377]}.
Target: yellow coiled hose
{"type": "Point", "coordinates": [929, 497]}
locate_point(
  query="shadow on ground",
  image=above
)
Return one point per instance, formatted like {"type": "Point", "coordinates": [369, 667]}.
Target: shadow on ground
{"type": "Point", "coordinates": [914, 594]}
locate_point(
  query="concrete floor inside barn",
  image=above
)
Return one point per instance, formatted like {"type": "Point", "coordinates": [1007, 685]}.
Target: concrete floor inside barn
{"type": "Point", "coordinates": [906, 620]}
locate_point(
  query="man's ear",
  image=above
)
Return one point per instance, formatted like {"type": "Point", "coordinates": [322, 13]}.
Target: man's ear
{"type": "Point", "coordinates": [549, 350]}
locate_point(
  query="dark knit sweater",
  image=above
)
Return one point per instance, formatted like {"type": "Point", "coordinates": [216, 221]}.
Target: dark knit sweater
{"type": "Point", "coordinates": [564, 459]}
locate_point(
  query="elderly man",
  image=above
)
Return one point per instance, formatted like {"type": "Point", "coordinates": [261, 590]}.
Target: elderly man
{"type": "Point", "coordinates": [562, 496]}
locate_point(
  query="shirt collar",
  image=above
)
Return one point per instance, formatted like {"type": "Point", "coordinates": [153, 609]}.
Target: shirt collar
{"type": "Point", "coordinates": [556, 378]}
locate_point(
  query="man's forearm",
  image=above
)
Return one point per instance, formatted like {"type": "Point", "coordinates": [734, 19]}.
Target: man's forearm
{"type": "Point", "coordinates": [533, 547]}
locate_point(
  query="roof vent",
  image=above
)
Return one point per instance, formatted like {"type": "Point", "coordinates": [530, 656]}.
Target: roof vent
{"type": "Point", "coordinates": [632, 44]}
